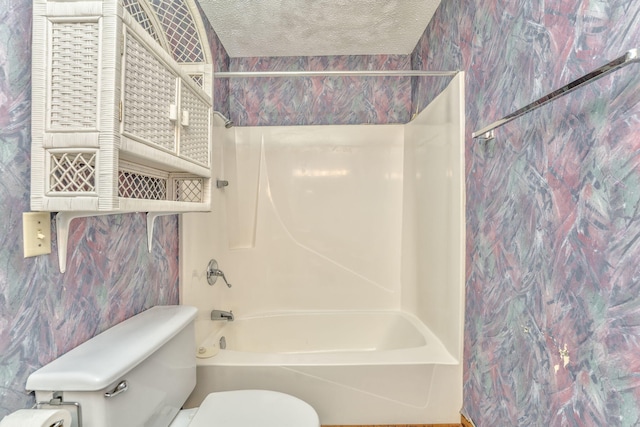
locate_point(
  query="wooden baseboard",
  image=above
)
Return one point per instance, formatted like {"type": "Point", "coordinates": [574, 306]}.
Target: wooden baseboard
{"type": "Point", "coordinates": [463, 423]}
{"type": "Point", "coordinates": [401, 425]}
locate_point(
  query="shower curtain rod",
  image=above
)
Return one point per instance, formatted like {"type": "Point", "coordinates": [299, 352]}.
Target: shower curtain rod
{"type": "Point", "coordinates": [630, 57]}
{"type": "Point", "coordinates": [359, 73]}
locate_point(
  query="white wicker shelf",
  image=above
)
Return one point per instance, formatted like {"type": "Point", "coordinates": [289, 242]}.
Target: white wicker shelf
{"type": "Point", "coordinates": [117, 125]}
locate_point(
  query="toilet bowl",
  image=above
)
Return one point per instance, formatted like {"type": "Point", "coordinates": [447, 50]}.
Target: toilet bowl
{"type": "Point", "coordinates": [141, 371]}
{"type": "Point", "coordinates": [249, 408]}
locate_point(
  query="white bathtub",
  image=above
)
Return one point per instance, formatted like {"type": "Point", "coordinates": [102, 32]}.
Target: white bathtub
{"type": "Point", "coordinates": [364, 367]}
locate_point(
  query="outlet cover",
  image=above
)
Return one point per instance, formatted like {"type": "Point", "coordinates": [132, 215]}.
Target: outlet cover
{"type": "Point", "coordinates": [36, 233]}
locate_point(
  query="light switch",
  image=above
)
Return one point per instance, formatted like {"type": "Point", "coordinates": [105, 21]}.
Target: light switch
{"type": "Point", "coordinates": [36, 233]}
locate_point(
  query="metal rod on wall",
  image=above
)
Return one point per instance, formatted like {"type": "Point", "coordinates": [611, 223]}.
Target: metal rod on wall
{"type": "Point", "coordinates": [630, 57]}
{"type": "Point", "coordinates": [356, 73]}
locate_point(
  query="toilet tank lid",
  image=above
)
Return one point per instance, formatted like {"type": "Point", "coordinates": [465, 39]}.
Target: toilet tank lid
{"type": "Point", "coordinates": [105, 358]}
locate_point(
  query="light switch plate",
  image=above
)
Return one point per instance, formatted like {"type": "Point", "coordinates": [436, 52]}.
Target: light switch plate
{"type": "Point", "coordinates": [36, 232]}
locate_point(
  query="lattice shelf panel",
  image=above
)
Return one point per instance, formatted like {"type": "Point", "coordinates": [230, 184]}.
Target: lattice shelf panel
{"type": "Point", "coordinates": [180, 29]}
{"type": "Point", "coordinates": [138, 13]}
{"type": "Point", "coordinates": [140, 182]}
{"type": "Point", "coordinates": [133, 185]}
{"type": "Point", "coordinates": [188, 190]}
{"type": "Point", "coordinates": [198, 79]}
{"type": "Point", "coordinates": [72, 172]}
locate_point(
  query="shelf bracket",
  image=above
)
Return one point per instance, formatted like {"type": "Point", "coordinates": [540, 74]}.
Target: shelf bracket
{"type": "Point", "coordinates": [63, 220]}
{"type": "Point", "coordinates": [151, 219]}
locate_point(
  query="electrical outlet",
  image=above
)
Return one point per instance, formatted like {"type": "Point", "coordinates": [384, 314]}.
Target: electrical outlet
{"type": "Point", "coordinates": [36, 233]}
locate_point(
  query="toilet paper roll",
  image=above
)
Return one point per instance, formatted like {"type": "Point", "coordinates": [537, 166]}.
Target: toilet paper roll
{"type": "Point", "coordinates": [37, 418]}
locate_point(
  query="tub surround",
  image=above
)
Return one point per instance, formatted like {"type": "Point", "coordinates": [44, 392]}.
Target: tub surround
{"type": "Point", "coordinates": [278, 231]}
{"type": "Point", "coordinates": [293, 235]}
{"type": "Point", "coordinates": [433, 229]}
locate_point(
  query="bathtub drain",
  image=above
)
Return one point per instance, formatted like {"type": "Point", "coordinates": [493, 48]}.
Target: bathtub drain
{"type": "Point", "coordinates": [223, 343]}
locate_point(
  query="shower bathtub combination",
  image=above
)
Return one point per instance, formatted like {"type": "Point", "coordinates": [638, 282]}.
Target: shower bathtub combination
{"type": "Point", "coordinates": [343, 362]}
{"type": "Point", "coordinates": [345, 247]}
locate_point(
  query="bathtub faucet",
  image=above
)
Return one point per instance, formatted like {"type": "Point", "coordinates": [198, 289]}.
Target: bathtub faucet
{"type": "Point", "coordinates": [222, 315]}
{"type": "Point", "coordinates": [213, 272]}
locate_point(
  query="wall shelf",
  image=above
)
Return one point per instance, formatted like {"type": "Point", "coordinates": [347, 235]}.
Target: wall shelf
{"type": "Point", "coordinates": [118, 126]}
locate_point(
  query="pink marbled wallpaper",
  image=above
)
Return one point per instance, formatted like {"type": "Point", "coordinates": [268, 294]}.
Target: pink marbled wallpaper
{"type": "Point", "coordinates": [110, 273]}
{"type": "Point", "coordinates": [220, 63]}
{"type": "Point", "coordinates": [552, 332]}
{"type": "Point", "coordinates": [282, 101]}
{"type": "Point", "coordinates": [552, 312]}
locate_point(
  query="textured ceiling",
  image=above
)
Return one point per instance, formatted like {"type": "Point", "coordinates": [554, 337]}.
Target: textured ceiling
{"type": "Point", "coordinates": [250, 28]}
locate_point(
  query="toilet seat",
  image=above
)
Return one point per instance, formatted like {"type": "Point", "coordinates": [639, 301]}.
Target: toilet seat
{"type": "Point", "coordinates": [251, 408]}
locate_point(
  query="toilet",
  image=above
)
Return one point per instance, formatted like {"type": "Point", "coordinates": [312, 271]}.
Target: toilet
{"type": "Point", "coordinates": [141, 371]}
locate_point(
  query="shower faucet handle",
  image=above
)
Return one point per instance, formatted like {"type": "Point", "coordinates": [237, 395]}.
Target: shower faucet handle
{"type": "Point", "coordinates": [213, 272]}
{"type": "Point", "coordinates": [221, 274]}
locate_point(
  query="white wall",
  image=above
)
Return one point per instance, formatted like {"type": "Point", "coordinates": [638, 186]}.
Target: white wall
{"type": "Point", "coordinates": [311, 220]}
{"type": "Point", "coordinates": [433, 217]}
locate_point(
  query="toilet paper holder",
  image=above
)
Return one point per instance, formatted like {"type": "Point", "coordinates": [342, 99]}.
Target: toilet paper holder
{"type": "Point", "coordinates": [57, 400]}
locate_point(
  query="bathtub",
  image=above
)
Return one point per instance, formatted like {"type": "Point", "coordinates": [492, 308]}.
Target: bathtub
{"type": "Point", "coordinates": [363, 367]}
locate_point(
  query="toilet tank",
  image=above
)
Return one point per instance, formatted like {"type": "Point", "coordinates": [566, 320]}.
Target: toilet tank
{"type": "Point", "coordinates": [137, 373]}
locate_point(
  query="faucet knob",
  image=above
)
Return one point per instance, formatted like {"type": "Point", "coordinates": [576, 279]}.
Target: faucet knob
{"type": "Point", "coordinates": [213, 272]}
{"type": "Point", "coordinates": [219, 273]}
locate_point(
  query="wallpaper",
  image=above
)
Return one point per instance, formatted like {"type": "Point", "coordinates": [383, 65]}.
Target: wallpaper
{"type": "Point", "coordinates": [110, 273]}
{"type": "Point", "coordinates": [552, 335]}
{"type": "Point", "coordinates": [552, 308]}
{"type": "Point", "coordinates": [220, 63]}
{"type": "Point", "coordinates": [282, 101]}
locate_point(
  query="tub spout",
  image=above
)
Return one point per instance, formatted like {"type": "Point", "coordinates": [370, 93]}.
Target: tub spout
{"type": "Point", "coordinates": [222, 315]}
